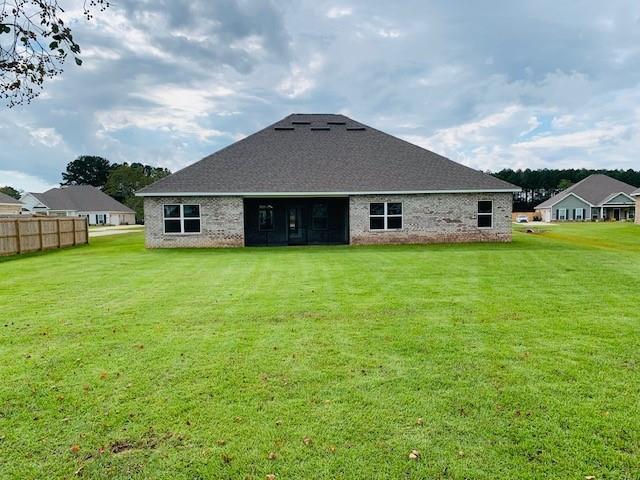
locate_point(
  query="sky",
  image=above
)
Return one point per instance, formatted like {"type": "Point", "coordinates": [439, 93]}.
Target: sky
{"type": "Point", "coordinates": [498, 84]}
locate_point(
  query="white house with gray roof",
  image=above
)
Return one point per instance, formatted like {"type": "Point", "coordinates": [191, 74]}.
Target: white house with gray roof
{"type": "Point", "coordinates": [597, 197]}
{"type": "Point", "coordinates": [325, 179]}
{"type": "Point", "coordinates": [80, 200]}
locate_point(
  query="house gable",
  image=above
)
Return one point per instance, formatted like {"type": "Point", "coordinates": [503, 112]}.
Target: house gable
{"type": "Point", "coordinates": [620, 199]}
{"type": "Point", "coordinates": [33, 203]}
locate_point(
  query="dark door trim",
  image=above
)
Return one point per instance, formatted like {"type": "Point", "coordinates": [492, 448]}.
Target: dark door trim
{"type": "Point", "coordinates": [296, 225]}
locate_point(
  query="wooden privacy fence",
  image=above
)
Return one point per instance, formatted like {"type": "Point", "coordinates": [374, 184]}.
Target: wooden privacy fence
{"type": "Point", "coordinates": [30, 234]}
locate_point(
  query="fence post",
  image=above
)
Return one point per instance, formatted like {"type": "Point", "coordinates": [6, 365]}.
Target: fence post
{"type": "Point", "coordinates": [18, 236]}
{"type": "Point", "coordinates": [59, 239]}
{"type": "Point", "coordinates": [40, 233]}
{"type": "Point", "coordinates": [73, 222]}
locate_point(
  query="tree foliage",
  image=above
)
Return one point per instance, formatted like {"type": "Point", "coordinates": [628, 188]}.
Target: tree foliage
{"type": "Point", "coordinates": [538, 185]}
{"type": "Point", "coordinates": [124, 180]}
{"type": "Point", "coordinates": [34, 45]}
{"type": "Point", "coordinates": [87, 170]}
{"type": "Point", "coordinates": [12, 192]}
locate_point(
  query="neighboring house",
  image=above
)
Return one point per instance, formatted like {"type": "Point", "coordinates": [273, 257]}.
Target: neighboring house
{"type": "Point", "coordinates": [325, 179]}
{"type": "Point", "coordinates": [597, 197]}
{"type": "Point", "coordinates": [80, 200]}
{"type": "Point", "coordinates": [9, 205]}
{"type": "Point", "coordinates": [636, 194]}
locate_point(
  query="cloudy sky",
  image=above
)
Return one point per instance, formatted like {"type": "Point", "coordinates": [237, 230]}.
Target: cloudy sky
{"type": "Point", "coordinates": [496, 84]}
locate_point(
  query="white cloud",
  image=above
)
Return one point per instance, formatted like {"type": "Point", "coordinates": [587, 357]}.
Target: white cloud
{"type": "Point", "coordinates": [584, 139]}
{"type": "Point", "coordinates": [22, 181]}
{"type": "Point", "coordinates": [338, 12]}
{"type": "Point", "coordinates": [45, 136]}
{"type": "Point", "coordinates": [301, 78]}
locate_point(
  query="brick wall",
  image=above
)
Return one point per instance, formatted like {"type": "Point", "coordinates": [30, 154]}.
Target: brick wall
{"type": "Point", "coordinates": [430, 218]}
{"type": "Point", "coordinates": [638, 209]}
{"type": "Point", "coordinates": [222, 223]}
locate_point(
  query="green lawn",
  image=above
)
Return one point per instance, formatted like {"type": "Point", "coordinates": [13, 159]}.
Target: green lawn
{"type": "Point", "coordinates": [522, 360]}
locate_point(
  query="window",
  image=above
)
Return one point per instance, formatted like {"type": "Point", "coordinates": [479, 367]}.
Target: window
{"type": "Point", "coordinates": [181, 218]}
{"type": "Point", "coordinates": [319, 217]}
{"type": "Point", "coordinates": [562, 214]}
{"type": "Point", "coordinates": [578, 214]}
{"type": "Point", "coordinates": [265, 218]}
{"type": "Point", "coordinates": [385, 216]}
{"type": "Point", "coordinates": [485, 214]}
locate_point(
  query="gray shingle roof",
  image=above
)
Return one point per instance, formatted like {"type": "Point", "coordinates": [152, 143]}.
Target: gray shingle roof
{"type": "Point", "coordinates": [82, 198]}
{"type": "Point", "coordinates": [6, 199]}
{"type": "Point", "coordinates": [323, 153]}
{"type": "Point", "coordinates": [636, 193]}
{"type": "Point", "coordinates": [595, 189]}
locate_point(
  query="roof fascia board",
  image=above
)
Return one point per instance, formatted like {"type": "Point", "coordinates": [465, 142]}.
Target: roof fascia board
{"type": "Point", "coordinates": [318, 194]}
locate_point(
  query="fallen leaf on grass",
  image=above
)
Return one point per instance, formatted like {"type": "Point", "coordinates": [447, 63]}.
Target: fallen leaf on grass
{"type": "Point", "coordinates": [332, 449]}
{"type": "Point", "coordinates": [271, 476]}
{"type": "Point", "coordinates": [221, 442]}
{"type": "Point", "coordinates": [103, 375]}
{"type": "Point", "coordinates": [414, 455]}
{"type": "Point", "coordinates": [307, 441]}
{"type": "Point", "coordinates": [75, 448]}
{"type": "Point", "coordinates": [420, 421]}
{"type": "Point", "coordinates": [272, 456]}
{"type": "Point", "coordinates": [590, 477]}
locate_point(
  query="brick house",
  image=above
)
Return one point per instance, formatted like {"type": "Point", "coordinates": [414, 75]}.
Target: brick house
{"type": "Point", "coordinates": [636, 195]}
{"type": "Point", "coordinates": [325, 179]}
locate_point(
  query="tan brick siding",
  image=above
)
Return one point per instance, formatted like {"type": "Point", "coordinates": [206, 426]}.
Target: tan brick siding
{"type": "Point", "coordinates": [638, 209]}
{"type": "Point", "coordinates": [431, 218]}
{"type": "Point", "coordinates": [222, 223]}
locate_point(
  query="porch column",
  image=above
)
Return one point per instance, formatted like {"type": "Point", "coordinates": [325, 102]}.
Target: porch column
{"type": "Point", "coordinates": [602, 213]}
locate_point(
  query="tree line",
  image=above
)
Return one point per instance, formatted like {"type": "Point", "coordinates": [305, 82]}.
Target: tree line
{"type": "Point", "coordinates": [538, 185]}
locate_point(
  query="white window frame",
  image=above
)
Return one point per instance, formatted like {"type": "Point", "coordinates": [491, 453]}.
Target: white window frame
{"type": "Point", "coordinates": [575, 215]}
{"type": "Point", "coordinates": [564, 214]}
{"type": "Point", "coordinates": [182, 219]}
{"type": "Point", "coordinates": [490, 215]}
{"type": "Point", "coordinates": [386, 217]}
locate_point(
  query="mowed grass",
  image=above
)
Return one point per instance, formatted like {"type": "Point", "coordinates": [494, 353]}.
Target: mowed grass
{"type": "Point", "coordinates": [522, 360]}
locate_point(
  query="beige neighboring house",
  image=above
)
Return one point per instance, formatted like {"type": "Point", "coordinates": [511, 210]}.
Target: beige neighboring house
{"type": "Point", "coordinates": [80, 200]}
{"type": "Point", "coordinates": [9, 205]}
{"type": "Point", "coordinates": [636, 195]}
